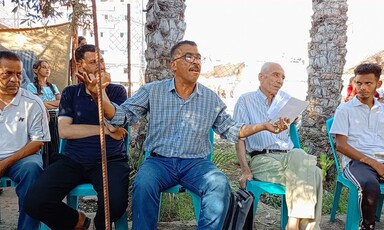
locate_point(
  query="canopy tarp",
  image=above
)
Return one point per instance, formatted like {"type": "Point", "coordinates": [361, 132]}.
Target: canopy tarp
{"type": "Point", "coordinates": [50, 43]}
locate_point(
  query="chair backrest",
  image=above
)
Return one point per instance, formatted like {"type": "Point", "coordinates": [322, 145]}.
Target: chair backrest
{"type": "Point", "coordinates": [211, 140]}
{"type": "Point", "coordinates": [293, 133]}
{"type": "Point", "coordinates": [328, 125]}
{"type": "Point", "coordinates": [63, 142]}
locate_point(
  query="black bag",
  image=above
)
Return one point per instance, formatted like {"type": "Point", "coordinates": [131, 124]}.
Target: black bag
{"type": "Point", "coordinates": [240, 211]}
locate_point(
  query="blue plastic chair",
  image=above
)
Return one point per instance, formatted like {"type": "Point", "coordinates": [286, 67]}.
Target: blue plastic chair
{"type": "Point", "coordinates": [353, 214]}
{"type": "Point", "coordinates": [258, 187]}
{"type": "Point", "coordinates": [88, 190]}
{"type": "Point", "coordinates": [6, 182]}
{"type": "Point", "coordinates": [178, 188]}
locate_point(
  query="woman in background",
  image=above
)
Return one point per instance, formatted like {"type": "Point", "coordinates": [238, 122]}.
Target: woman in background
{"type": "Point", "coordinates": [50, 95]}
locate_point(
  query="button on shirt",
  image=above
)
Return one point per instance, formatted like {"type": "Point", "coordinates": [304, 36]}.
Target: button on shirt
{"type": "Point", "coordinates": [253, 108]}
{"type": "Point", "coordinates": [23, 120]}
{"type": "Point", "coordinates": [178, 127]}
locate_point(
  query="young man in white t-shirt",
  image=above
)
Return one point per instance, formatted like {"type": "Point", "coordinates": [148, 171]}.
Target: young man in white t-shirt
{"type": "Point", "coordinates": [359, 128]}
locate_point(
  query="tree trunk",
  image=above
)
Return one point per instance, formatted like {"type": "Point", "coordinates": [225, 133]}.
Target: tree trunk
{"type": "Point", "coordinates": [326, 51]}
{"type": "Point", "coordinates": [164, 27]}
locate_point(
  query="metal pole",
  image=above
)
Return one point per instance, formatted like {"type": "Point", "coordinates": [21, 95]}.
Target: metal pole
{"type": "Point", "coordinates": [129, 49]}
{"type": "Point", "coordinates": [101, 121]}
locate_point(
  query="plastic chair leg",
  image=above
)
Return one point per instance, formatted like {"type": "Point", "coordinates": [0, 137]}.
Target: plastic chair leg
{"type": "Point", "coordinates": [73, 201]}
{"type": "Point", "coordinates": [284, 213]}
{"type": "Point", "coordinates": [122, 222]}
{"type": "Point", "coordinates": [379, 208]}
{"type": "Point", "coordinates": [353, 215]}
{"type": "Point", "coordinates": [336, 199]}
{"type": "Point", "coordinates": [255, 201]}
{"type": "Point", "coordinates": [44, 227]}
{"type": "Point", "coordinates": [196, 200]}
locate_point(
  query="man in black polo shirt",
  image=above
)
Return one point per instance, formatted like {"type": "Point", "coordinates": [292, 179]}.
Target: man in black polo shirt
{"type": "Point", "coordinates": [80, 161]}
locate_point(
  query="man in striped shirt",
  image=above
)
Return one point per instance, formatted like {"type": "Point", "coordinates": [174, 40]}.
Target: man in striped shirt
{"type": "Point", "coordinates": [272, 156]}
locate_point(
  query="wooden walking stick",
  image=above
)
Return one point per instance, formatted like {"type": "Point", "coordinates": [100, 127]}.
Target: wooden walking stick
{"type": "Point", "coordinates": [101, 120]}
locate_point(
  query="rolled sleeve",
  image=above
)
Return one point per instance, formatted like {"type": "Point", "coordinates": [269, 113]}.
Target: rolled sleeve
{"type": "Point", "coordinates": [120, 116]}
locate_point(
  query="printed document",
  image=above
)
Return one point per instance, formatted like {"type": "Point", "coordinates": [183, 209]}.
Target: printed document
{"type": "Point", "coordinates": [284, 105]}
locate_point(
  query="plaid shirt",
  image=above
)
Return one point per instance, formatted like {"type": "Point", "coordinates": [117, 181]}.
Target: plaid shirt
{"type": "Point", "coordinates": [178, 127]}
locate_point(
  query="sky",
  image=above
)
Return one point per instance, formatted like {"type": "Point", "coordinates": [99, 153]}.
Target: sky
{"type": "Point", "coordinates": [272, 29]}
{"type": "Point", "coordinates": [255, 31]}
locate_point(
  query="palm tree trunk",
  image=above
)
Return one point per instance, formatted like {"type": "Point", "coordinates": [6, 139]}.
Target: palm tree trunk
{"type": "Point", "coordinates": [326, 51]}
{"type": "Point", "coordinates": [164, 27]}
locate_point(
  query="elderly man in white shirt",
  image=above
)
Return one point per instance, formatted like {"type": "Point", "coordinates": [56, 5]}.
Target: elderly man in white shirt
{"type": "Point", "coordinates": [272, 156]}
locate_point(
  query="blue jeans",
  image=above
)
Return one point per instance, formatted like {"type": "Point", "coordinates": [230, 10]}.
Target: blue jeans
{"type": "Point", "coordinates": [25, 172]}
{"type": "Point", "coordinates": [201, 176]}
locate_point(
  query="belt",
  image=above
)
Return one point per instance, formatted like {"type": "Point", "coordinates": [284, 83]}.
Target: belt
{"type": "Point", "coordinates": [154, 154]}
{"type": "Point", "coordinates": [264, 151]}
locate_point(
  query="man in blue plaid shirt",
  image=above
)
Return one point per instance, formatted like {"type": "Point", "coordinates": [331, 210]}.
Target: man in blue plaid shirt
{"type": "Point", "coordinates": [181, 112]}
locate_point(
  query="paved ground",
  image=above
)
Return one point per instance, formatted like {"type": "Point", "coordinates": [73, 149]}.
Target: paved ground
{"type": "Point", "coordinates": [266, 219]}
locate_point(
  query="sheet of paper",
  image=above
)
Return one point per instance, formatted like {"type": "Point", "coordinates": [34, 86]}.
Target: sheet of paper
{"type": "Point", "coordinates": [287, 107]}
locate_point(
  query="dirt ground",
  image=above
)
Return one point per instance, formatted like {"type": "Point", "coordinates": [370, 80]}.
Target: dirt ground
{"type": "Point", "coordinates": [267, 218]}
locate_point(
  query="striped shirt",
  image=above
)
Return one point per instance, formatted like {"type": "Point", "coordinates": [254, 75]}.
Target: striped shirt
{"type": "Point", "coordinates": [178, 127]}
{"type": "Point", "coordinates": [253, 108]}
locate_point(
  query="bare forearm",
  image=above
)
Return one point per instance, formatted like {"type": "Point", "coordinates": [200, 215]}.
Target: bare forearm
{"type": "Point", "coordinates": [29, 149]}
{"type": "Point", "coordinates": [241, 151]}
{"type": "Point", "coordinates": [247, 130]}
{"type": "Point", "coordinates": [349, 151]}
{"type": "Point", "coordinates": [52, 104]}
{"type": "Point", "coordinates": [76, 131]}
{"type": "Point", "coordinates": [109, 109]}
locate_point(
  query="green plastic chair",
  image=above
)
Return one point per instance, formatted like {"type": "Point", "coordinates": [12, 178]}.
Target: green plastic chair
{"type": "Point", "coordinates": [353, 214]}
{"type": "Point", "coordinates": [258, 187]}
{"type": "Point", "coordinates": [88, 190]}
{"type": "Point", "coordinates": [178, 188]}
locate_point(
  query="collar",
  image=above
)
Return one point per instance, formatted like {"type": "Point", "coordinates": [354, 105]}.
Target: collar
{"type": "Point", "coordinates": [16, 100]}
{"type": "Point", "coordinates": [355, 102]}
{"type": "Point", "coordinates": [263, 97]}
{"type": "Point", "coordinates": [172, 86]}
{"type": "Point", "coordinates": [81, 90]}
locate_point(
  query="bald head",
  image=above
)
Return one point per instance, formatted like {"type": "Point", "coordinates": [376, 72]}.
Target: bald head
{"type": "Point", "coordinates": [269, 66]}
{"type": "Point", "coordinates": [271, 79]}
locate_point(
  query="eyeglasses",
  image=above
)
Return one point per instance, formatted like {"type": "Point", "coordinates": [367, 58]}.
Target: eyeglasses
{"type": "Point", "coordinates": [9, 74]}
{"type": "Point", "coordinates": [190, 58]}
